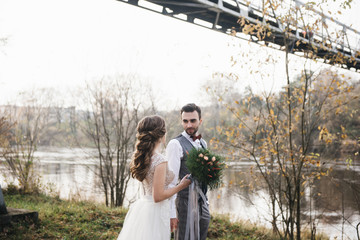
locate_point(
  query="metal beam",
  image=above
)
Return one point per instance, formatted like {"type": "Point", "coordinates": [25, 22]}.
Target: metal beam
{"type": "Point", "coordinates": [225, 13]}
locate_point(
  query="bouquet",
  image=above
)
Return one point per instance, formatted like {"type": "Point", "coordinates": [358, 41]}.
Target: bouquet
{"type": "Point", "coordinates": [205, 166]}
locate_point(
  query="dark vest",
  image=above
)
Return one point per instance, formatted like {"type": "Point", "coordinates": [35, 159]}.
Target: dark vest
{"type": "Point", "coordinates": [186, 147]}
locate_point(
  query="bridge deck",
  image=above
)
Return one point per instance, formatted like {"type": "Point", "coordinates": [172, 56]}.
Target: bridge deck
{"type": "Point", "coordinates": [332, 39]}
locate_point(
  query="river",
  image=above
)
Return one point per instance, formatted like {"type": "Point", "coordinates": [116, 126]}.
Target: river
{"type": "Point", "coordinates": [71, 174]}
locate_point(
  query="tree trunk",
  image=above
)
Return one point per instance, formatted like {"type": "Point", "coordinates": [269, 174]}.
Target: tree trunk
{"type": "Point", "coordinates": [298, 210]}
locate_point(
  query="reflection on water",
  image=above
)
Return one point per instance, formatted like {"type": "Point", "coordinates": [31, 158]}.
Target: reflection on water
{"type": "Point", "coordinates": [334, 201]}
{"type": "Point", "coordinates": [72, 174]}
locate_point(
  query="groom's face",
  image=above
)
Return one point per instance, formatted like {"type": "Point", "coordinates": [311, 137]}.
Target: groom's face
{"type": "Point", "coordinates": [190, 122]}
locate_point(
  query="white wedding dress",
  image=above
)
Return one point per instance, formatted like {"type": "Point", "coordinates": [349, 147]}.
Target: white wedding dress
{"type": "Point", "coordinates": [145, 218]}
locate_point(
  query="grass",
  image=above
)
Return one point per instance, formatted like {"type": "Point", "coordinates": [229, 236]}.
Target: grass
{"type": "Point", "coordinates": [222, 228]}
{"type": "Point", "coordinates": [61, 219]}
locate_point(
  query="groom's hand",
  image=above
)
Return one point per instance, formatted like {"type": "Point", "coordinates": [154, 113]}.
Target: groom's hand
{"type": "Point", "coordinates": [173, 224]}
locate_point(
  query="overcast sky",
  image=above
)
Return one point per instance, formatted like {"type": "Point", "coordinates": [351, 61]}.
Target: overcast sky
{"type": "Point", "coordinates": [62, 44]}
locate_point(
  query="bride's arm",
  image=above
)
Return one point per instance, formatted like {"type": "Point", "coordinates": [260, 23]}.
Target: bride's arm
{"type": "Point", "coordinates": [159, 191]}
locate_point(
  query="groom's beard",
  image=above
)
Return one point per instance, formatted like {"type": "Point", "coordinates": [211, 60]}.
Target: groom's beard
{"type": "Point", "coordinates": [191, 131]}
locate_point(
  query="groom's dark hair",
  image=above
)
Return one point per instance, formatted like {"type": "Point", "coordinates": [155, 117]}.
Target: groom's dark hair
{"type": "Point", "coordinates": [190, 107]}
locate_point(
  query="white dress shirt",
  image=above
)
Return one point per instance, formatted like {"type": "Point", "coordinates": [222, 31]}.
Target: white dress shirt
{"type": "Point", "coordinates": [174, 153]}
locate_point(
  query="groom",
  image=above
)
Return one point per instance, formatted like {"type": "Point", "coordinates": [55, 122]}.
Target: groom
{"type": "Point", "coordinates": [176, 155]}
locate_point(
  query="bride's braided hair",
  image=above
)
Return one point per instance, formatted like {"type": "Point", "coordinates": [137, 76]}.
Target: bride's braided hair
{"type": "Point", "coordinates": [150, 130]}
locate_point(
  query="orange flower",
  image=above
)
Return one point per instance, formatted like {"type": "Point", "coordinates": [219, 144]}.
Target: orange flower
{"type": "Point", "coordinates": [201, 155]}
{"type": "Point", "coordinates": [206, 158]}
{"type": "Point", "coordinates": [213, 159]}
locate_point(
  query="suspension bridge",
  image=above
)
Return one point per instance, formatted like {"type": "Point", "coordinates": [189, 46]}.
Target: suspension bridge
{"type": "Point", "coordinates": [331, 41]}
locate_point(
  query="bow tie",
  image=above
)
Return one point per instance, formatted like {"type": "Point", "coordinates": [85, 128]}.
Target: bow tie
{"type": "Point", "coordinates": [196, 137]}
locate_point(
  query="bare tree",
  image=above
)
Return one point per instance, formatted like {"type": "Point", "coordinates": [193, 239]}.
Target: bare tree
{"type": "Point", "coordinates": [115, 108]}
{"type": "Point", "coordinates": [29, 118]}
{"type": "Point", "coordinates": [4, 130]}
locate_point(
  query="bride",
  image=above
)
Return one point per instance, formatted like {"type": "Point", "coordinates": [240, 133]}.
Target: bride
{"type": "Point", "coordinates": [149, 217]}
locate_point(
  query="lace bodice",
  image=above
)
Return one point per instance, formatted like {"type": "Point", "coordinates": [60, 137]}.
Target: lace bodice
{"type": "Point", "coordinates": [156, 159]}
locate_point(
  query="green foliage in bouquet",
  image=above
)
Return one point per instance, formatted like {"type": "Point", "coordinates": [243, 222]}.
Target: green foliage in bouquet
{"type": "Point", "coordinates": [205, 166]}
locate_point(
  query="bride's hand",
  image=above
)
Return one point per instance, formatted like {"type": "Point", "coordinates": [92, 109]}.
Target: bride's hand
{"type": "Point", "coordinates": [185, 182]}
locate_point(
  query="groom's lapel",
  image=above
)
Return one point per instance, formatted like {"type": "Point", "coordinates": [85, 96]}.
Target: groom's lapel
{"type": "Point", "coordinates": [203, 144]}
{"type": "Point", "coordinates": [187, 142]}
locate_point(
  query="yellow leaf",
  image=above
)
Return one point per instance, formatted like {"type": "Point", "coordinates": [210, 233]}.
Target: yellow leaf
{"type": "Point", "coordinates": [342, 128]}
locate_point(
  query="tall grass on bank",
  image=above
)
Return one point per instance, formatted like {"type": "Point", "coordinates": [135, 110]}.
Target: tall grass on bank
{"type": "Point", "coordinates": [60, 219]}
